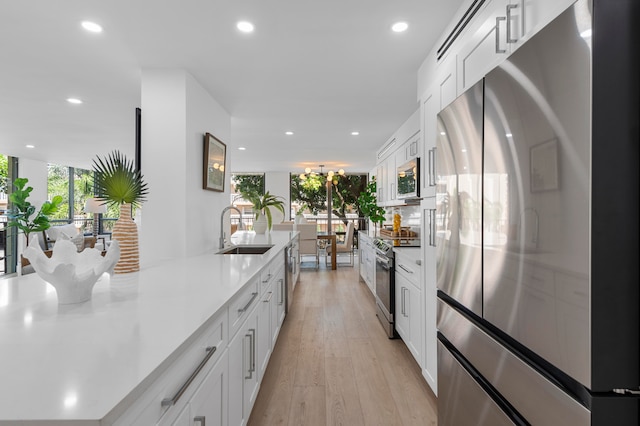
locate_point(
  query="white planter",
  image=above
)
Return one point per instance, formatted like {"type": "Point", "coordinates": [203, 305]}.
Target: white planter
{"type": "Point", "coordinates": [260, 224]}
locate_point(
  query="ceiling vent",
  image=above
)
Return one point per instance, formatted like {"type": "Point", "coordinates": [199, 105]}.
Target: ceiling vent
{"type": "Point", "coordinates": [462, 23]}
{"type": "Point", "coordinates": [386, 148]}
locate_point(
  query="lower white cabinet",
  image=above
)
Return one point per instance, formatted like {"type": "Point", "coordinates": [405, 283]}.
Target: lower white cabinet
{"type": "Point", "coordinates": [208, 405]}
{"type": "Point", "coordinates": [409, 313]}
{"type": "Point", "coordinates": [367, 256]}
{"type": "Point", "coordinates": [264, 338]}
{"type": "Point", "coordinates": [278, 305]}
{"type": "Point", "coordinates": [250, 349]}
{"type": "Point", "coordinates": [243, 374]}
{"type": "Point", "coordinates": [430, 367]}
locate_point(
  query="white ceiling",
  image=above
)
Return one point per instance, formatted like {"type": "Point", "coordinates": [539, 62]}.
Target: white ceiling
{"type": "Point", "coordinates": [321, 69]}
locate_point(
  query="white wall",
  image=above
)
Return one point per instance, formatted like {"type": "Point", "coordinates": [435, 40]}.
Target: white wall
{"type": "Point", "coordinates": [278, 183]}
{"type": "Point", "coordinates": [180, 218]}
{"type": "Point", "coordinates": [204, 114]}
{"type": "Point", "coordinates": [37, 172]}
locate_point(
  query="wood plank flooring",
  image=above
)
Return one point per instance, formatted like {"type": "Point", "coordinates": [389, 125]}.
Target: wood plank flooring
{"type": "Point", "coordinates": [334, 365]}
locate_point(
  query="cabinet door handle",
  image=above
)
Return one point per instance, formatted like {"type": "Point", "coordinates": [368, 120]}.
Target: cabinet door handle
{"type": "Point", "coordinates": [268, 299]}
{"type": "Point", "coordinates": [408, 271]}
{"type": "Point", "coordinates": [510, 7]}
{"type": "Point", "coordinates": [402, 301]}
{"type": "Point", "coordinates": [432, 227]}
{"type": "Point", "coordinates": [432, 167]}
{"type": "Point", "coordinates": [250, 368]}
{"type": "Point", "coordinates": [253, 350]}
{"type": "Point", "coordinates": [281, 292]}
{"type": "Point", "coordinates": [267, 279]}
{"type": "Point", "coordinates": [498, 19]}
{"type": "Point", "coordinates": [171, 401]}
{"type": "Point", "coordinates": [253, 297]}
{"type": "Point", "coordinates": [200, 419]}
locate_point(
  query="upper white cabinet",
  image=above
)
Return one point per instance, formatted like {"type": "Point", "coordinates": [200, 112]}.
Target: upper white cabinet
{"type": "Point", "coordinates": [404, 145]}
{"type": "Point", "coordinates": [488, 43]}
{"type": "Point", "coordinates": [497, 31]}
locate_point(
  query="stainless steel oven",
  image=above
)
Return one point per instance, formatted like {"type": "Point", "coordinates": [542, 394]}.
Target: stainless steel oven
{"type": "Point", "coordinates": [385, 286]}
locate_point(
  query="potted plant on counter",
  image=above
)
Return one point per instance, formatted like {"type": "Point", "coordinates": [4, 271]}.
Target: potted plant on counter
{"type": "Point", "coordinates": [261, 207]}
{"type": "Point", "coordinates": [118, 183]}
{"type": "Point", "coordinates": [368, 203]}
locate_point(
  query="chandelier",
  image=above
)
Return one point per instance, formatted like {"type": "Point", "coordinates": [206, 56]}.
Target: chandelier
{"type": "Point", "coordinates": [330, 174]}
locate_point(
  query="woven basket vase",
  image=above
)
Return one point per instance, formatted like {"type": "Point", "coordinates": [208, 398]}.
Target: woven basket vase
{"type": "Point", "coordinates": [125, 231]}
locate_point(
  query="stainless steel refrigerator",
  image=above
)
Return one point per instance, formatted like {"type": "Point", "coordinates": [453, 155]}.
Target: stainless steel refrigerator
{"type": "Point", "coordinates": [537, 242]}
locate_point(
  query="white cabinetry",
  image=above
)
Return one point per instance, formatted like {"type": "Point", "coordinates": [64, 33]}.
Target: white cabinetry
{"type": "Point", "coordinates": [172, 391]}
{"type": "Point", "coordinates": [488, 43]}
{"type": "Point", "coordinates": [250, 349]}
{"type": "Point", "coordinates": [367, 262]}
{"type": "Point", "coordinates": [430, 366]}
{"type": "Point", "coordinates": [278, 306]}
{"type": "Point", "coordinates": [499, 29]}
{"type": "Point", "coordinates": [208, 405]}
{"type": "Point", "coordinates": [408, 317]}
{"type": "Point", "coordinates": [404, 145]}
{"type": "Point", "coordinates": [243, 374]}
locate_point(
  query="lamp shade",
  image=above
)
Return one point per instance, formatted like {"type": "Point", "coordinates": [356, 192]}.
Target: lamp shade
{"type": "Point", "coordinates": [93, 205]}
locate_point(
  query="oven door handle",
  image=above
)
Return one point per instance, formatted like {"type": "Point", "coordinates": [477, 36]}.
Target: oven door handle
{"type": "Point", "coordinates": [383, 261]}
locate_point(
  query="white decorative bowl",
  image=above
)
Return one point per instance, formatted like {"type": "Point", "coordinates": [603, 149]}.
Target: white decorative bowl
{"type": "Point", "coordinates": [72, 274]}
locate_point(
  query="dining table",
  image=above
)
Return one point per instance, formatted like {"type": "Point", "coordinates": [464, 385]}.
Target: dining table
{"type": "Point", "coordinates": [332, 239]}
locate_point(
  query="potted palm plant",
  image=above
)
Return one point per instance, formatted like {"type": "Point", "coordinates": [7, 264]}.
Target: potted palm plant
{"type": "Point", "coordinates": [261, 207]}
{"type": "Point", "coordinates": [118, 183]}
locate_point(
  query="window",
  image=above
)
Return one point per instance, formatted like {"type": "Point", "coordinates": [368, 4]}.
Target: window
{"type": "Point", "coordinates": [309, 197]}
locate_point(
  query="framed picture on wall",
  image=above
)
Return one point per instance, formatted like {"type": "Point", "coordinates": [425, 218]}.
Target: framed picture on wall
{"type": "Point", "coordinates": [544, 166]}
{"type": "Point", "coordinates": [215, 157]}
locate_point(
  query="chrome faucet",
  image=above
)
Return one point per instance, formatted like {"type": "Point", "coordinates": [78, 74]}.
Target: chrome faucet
{"type": "Point", "coordinates": [240, 225]}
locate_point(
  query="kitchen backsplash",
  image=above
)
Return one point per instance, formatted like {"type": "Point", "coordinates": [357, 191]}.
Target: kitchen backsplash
{"type": "Point", "coordinates": [411, 216]}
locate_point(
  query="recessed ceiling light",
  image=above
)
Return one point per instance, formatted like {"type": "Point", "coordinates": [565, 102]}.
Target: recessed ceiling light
{"type": "Point", "coordinates": [508, 135]}
{"type": "Point", "coordinates": [586, 33]}
{"type": "Point", "coordinates": [241, 148]}
{"type": "Point", "coordinates": [355, 133]}
{"type": "Point", "coordinates": [91, 26]}
{"type": "Point", "coordinates": [30, 146]}
{"type": "Point", "coordinates": [399, 27]}
{"type": "Point", "coordinates": [245, 26]}
{"type": "Point", "coordinates": [74, 101]}
{"type": "Point", "coordinates": [288, 133]}
{"type": "Point", "coordinates": [442, 133]}
{"type": "Point", "coordinates": [464, 149]}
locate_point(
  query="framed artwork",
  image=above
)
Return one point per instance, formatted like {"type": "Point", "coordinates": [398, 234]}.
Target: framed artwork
{"type": "Point", "coordinates": [544, 166]}
{"type": "Point", "coordinates": [215, 156]}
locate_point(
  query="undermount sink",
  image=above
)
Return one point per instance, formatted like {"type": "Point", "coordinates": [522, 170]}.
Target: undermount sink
{"type": "Point", "coordinates": [246, 250]}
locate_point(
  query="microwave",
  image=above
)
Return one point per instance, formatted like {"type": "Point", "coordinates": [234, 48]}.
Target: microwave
{"type": "Point", "coordinates": [408, 180]}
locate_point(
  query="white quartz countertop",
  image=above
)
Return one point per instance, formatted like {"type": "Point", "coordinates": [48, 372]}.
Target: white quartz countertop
{"type": "Point", "coordinates": [76, 363]}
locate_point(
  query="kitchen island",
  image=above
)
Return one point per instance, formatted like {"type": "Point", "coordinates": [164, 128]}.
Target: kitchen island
{"type": "Point", "coordinates": [89, 363]}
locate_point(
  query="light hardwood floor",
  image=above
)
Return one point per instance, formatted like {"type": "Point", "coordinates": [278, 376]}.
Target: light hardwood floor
{"type": "Point", "coordinates": [334, 365]}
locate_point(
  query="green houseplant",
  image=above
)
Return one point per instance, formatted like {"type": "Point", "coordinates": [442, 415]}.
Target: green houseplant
{"type": "Point", "coordinates": [118, 183]}
{"type": "Point", "coordinates": [368, 203]}
{"type": "Point", "coordinates": [261, 206]}
{"type": "Point", "coordinates": [23, 214]}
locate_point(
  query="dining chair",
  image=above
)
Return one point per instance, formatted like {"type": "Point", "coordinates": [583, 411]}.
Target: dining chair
{"type": "Point", "coordinates": [308, 241]}
{"type": "Point", "coordinates": [343, 247]}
